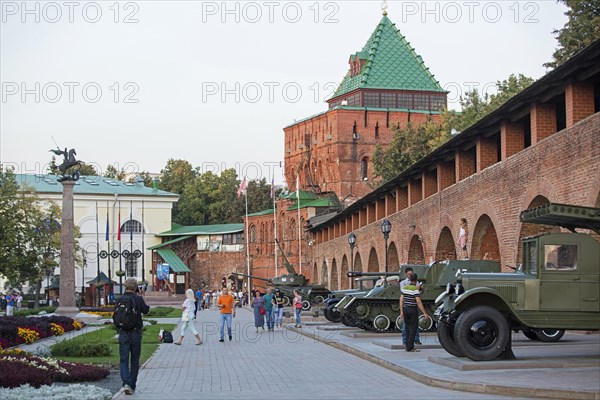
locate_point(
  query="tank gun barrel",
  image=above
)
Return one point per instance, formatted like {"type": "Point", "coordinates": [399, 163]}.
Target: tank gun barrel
{"type": "Point", "coordinates": [251, 276]}
{"type": "Point", "coordinates": [357, 274]}
{"type": "Point", "coordinates": [288, 266]}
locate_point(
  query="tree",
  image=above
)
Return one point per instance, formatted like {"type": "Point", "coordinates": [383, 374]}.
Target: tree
{"type": "Point", "coordinates": [582, 28]}
{"type": "Point", "coordinates": [87, 169]}
{"type": "Point", "coordinates": [175, 176]}
{"type": "Point", "coordinates": [409, 144]}
{"type": "Point", "coordinates": [112, 173]}
{"type": "Point", "coordinates": [475, 107]}
{"type": "Point", "coordinates": [145, 175]}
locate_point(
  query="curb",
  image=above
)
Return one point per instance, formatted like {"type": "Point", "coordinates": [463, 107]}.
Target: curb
{"type": "Point", "coordinates": [459, 386]}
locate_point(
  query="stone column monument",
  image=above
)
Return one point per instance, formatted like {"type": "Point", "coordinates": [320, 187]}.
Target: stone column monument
{"type": "Point", "coordinates": [67, 253]}
{"type": "Point", "coordinates": [70, 174]}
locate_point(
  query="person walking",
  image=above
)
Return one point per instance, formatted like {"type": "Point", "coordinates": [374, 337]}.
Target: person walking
{"type": "Point", "coordinates": [187, 317]}
{"type": "Point", "coordinates": [279, 309]}
{"type": "Point", "coordinates": [269, 309]}
{"type": "Point", "coordinates": [198, 302]}
{"type": "Point", "coordinates": [258, 303]}
{"type": "Point", "coordinates": [410, 304]}
{"type": "Point", "coordinates": [130, 341]}
{"type": "Point", "coordinates": [226, 303]}
{"type": "Point", "coordinates": [408, 271]}
{"type": "Point", "coordinates": [463, 237]}
{"type": "Point", "coordinates": [10, 304]}
{"type": "Point", "coordinates": [298, 307]}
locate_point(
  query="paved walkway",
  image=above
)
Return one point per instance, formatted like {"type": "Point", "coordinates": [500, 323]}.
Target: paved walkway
{"type": "Point", "coordinates": [281, 365]}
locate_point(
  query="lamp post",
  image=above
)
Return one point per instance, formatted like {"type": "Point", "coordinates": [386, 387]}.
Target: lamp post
{"type": "Point", "coordinates": [352, 243]}
{"type": "Point", "coordinates": [386, 227]}
{"type": "Point", "coordinates": [84, 258]}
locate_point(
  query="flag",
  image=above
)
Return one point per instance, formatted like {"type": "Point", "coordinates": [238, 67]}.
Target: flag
{"type": "Point", "coordinates": [107, 224]}
{"type": "Point", "coordinates": [273, 186]}
{"type": "Point", "coordinates": [242, 188]}
{"type": "Point", "coordinates": [119, 225]}
{"type": "Point", "coordinates": [130, 224]}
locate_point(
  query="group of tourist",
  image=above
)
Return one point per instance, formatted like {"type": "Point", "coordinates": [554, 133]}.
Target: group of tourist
{"type": "Point", "coordinates": [11, 301]}
{"type": "Point", "coordinates": [208, 299]}
{"type": "Point", "coordinates": [268, 308]}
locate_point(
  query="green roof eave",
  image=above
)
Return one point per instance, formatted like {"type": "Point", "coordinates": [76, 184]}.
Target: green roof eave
{"type": "Point", "coordinates": [174, 262]}
{"type": "Point", "coordinates": [263, 212]}
{"type": "Point", "coordinates": [304, 195]}
{"type": "Point", "coordinates": [311, 203]}
{"type": "Point", "coordinates": [179, 239]}
{"type": "Point", "coordinates": [195, 230]}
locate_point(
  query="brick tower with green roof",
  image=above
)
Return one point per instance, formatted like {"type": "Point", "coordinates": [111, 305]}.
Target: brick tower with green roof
{"type": "Point", "coordinates": [387, 84]}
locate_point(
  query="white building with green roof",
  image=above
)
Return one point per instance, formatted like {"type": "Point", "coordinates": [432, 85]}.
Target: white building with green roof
{"type": "Point", "coordinates": [98, 201]}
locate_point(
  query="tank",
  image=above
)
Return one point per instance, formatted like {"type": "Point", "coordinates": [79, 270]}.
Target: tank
{"type": "Point", "coordinates": [362, 285]}
{"type": "Point", "coordinates": [379, 310]}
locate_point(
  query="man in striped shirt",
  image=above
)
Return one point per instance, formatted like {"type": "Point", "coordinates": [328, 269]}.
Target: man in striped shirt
{"type": "Point", "coordinates": [410, 304]}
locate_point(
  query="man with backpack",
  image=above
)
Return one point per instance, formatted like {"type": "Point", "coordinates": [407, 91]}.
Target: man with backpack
{"type": "Point", "coordinates": [128, 321]}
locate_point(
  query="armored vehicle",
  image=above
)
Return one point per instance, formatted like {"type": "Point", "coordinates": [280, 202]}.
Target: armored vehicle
{"type": "Point", "coordinates": [287, 283]}
{"type": "Point", "coordinates": [556, 288]}
{"type": "Point", "coordinates": [379, 310]}
{"type": "Point", "coordinates": [362, 285]}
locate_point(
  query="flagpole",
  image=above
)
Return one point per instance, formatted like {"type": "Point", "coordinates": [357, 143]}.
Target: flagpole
{"type": "Point", "coordinates": [247, 245]}
{"type": "Point", "coordinates": [299, 233]}
{"type": "Point", "coordinates": [143, 249]}
{"type": "Point", "coordinates": [274, 222]}
{"type": "Point", "coordinates": [120, 253]}
{"type": "Point", "coordinates": [109, 256]}
{"type": "Point", "coordinates": [97, 291]}
{"type": "Point", "coordinates": [131, 237]}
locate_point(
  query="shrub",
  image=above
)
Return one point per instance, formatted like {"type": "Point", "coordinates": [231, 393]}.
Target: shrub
{"type": "Point", "coordinates": [69, 349]}
{"type": "Point", "coordinates": [34, 311]}
{"type": "Point", "coordinates": [70, 392]}
{"type": "Point", "coordinates": [159, 311]}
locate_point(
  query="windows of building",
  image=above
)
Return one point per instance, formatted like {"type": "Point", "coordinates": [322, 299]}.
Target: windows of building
{"type": "Point", "coordinates": [364, 165]}
{"type": "Point", "coordinates": [233, 238]}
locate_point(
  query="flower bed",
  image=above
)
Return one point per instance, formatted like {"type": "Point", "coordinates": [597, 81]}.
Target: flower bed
{"type": "Point", "coordinates": [20, 368]}
{"type": "Point", "coordinates": [70, 392]}
{"type": "Point", "coordinates": [18, 330]}
{"type": "Point", "coordinates": [105, 311]}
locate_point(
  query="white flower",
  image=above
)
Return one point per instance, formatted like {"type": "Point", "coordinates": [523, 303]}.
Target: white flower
{"type": "Point", "coordinates": [63, 392]}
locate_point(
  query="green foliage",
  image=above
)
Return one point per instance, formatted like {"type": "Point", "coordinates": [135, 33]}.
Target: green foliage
{"type": "Point", "coordinates": [112, 173]}
{"type": "Point", "coordinates": [582, 28]}
{"type": "Point", "coordinates": [87, 169]}
{"type": "Point", "coordinates": [410, 143]}
{"type": "Point", "coordinates": [67, 349]}
{"type": "Point", "coordinates": [145, 175]}
{"type": "Point", "coordinates": [163, 312]}
{"type": "Point", "coordinates": [475, 107]}
{"type": "Point", "coordinates": [34, 311]}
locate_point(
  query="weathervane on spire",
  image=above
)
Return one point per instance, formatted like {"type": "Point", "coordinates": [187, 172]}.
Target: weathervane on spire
{"type": "Point", "coordinates": [384, 6]}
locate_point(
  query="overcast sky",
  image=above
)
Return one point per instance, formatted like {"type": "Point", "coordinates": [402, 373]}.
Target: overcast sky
{"type": "Point", "coordinates": [215, 83]}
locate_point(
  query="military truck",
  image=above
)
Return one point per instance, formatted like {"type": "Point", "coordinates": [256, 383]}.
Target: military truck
{"type": "Point", "coordinates": [555, 288]}
{"type": "Point", "coordinates": [379, 310]}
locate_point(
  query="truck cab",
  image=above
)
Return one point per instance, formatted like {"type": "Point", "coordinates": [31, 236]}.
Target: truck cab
{"type": "Point", "coordinates": [556, 288]}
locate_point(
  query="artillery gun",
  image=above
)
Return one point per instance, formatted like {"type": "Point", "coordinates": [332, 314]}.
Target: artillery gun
{"type": "Point", "coordinates": [379, 310]}
{"type": "Point", "coordinates": [556, 288]}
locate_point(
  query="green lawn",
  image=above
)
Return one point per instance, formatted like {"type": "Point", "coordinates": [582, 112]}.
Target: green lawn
{"type": "Point", "coordinates": [164, 312]}
{"type": "Point", "coordinates": [107, 335]}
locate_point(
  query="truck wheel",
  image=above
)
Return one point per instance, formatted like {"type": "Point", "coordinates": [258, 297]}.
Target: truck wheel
{"type": "Point", "coordinates": [530, 334]}
{"type": "Point", "coordinates": [482, 333]}
{"type": "Point", "coordinates": [334, 315]}
{"type": "Point", "coordinates": [549, 335]}
{"type": "Point", "coordinates": [305, 305]}
{"type": "Point", "coordinates": [326, 313]}
{"type": "Point", "coordinates": [381, 323]}
{"type": "Point", "coordinates": [445, 334]}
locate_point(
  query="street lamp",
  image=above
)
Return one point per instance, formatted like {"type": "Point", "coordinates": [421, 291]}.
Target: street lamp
{"type": "Point", "coordinates": [352, 243]}
{"type": "Point", "coordinates": [386, 227]}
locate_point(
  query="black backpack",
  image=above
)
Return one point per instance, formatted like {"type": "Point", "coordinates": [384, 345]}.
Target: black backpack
{"type": "Point", "coordinates": [126, 313]}
{"type": "Point", "coordinates": [167, 337]}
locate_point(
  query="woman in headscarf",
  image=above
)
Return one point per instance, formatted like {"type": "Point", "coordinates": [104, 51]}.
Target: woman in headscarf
{"type": "Point", "coordinates": [187, 317]}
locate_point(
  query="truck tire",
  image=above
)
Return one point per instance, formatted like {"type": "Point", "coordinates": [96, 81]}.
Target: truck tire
{"type": "Point", "coordinates": [482, 333]}
{"type": "Point", "coordinates": [549, 335]}
{"type": "Point", "coordinates": [530, 334]}
{"type": "Point", "coordinates": [334, 315]}
{"type": "Point", "coordinates": [445, 334]}
{"type": "Point", "coordinates": [306, 305]}
{"type": "Point", "coordinates": [326, 314]}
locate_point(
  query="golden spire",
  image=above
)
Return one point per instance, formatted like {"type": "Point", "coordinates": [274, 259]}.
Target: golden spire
{"type": "Point", "coordinates": [384, 6]}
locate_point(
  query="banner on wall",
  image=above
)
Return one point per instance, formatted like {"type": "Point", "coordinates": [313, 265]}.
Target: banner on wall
{"type": "Point", "coordinates": [162, 271]}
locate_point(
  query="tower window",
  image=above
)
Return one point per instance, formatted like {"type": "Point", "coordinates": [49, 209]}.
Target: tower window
{"type": "Point", "coordinates": [364, 164]}
{"type": "Point", "coordinates": [377, 130]}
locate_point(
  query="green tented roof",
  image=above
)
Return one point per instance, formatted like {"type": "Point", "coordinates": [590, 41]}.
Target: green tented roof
{"type": "Point", "coordinates": [326, 202]}
{"type": "Point", "coordinates": [264, 212]}
{"type": "Point", "coordinates": [43, 183]}
{"type": "Point", "coordinates": [101, 279]}
{"type": "Point", "coordinates": [179, 239]}
{"type": "Point", "coordinates": [304, 195]}
{"type": "Point", "coordinates": [392, 63]}
{"type": "Point", "coordinates": [174, 262]}
{"type": "Point", "coordinates": [216, 229]}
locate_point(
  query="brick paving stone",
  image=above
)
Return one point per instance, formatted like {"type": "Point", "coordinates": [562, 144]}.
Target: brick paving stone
{"type": "Point", "coordinates": [276, 365]}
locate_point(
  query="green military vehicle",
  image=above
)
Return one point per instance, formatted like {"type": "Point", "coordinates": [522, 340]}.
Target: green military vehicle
{"type": "Point", "coordinates": [362, 286]}
{"type": "Point", "coordinates": [379, 310]}
{"type": "Point", "coordinates": [555, 288]}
